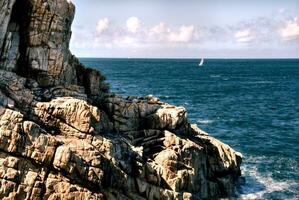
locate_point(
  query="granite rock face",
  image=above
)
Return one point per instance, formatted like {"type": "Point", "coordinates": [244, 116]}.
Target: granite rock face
{"type": "Point", "coordinates": [64, 136]}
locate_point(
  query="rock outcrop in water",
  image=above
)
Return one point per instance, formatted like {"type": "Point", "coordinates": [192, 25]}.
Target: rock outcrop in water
{"type": "Point", "coordinates": [64, 136]}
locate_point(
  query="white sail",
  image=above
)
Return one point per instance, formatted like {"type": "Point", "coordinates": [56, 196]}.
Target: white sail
{"type": "Point", "coordinates": [201, 62]}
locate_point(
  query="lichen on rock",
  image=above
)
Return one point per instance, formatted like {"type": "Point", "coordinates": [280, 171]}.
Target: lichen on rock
{"type": "Point", "coordinates": [63, 135]}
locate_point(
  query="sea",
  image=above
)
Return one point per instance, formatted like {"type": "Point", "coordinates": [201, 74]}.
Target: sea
{"type": "Point", "coordinates": [250, 104]}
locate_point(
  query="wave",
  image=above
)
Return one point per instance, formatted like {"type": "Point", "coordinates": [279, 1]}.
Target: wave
{"type": "Point", "coordinates": [215, 76]}
{"type": "Point", "coordinates": [164, 97]}
{"type": "Point", "coordinates": [259, 82]}
{"type": "Point", "coordinates": [259, 186]}
{"type": "Point", "coordinates": [205, 121]}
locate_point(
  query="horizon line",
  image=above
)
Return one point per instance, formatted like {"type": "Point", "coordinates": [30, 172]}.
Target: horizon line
{"type": "Point", "coordinates": [269, 58]}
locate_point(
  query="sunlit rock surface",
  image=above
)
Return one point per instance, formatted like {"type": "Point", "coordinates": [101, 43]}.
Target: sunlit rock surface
{"type": "Point", "coordinates": [64, 136]}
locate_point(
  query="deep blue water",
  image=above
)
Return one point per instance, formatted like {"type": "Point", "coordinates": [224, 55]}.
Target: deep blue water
{"type": "Point", "coordinates": [252, 105]}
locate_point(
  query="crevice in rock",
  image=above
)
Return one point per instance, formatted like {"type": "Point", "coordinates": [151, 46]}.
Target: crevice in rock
{"type": "Point", "coordinates": [20, 13]}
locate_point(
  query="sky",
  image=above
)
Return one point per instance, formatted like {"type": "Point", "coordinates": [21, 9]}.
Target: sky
{"type": "Point", "coordinates": [186, 29]}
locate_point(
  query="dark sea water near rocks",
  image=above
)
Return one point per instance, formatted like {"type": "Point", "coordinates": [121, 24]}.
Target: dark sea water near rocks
{"type": "Point", "coordinates": [252, 105]}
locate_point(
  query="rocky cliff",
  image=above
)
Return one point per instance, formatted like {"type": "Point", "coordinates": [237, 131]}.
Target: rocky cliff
{"type": "Point", "coordinates": [64, 136]}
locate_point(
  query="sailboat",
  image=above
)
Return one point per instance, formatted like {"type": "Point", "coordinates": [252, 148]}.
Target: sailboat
{"type": "Point", "coordinates": [201, 62]}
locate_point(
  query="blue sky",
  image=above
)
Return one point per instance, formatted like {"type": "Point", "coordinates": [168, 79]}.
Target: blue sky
{"type": "Point", "coordinates": [186, 29]}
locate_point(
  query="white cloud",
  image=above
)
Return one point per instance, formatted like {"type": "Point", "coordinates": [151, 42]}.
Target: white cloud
{"type": "Point", "coordinates": [244, 36]}
{"type": "Point", "coordinates": [159, 33]}
{"type": "Point", "coordinates": [291, 29]}
{"type": "Point", "coordinates": [185, 34]}
{"type": "Point", "coordinates": [133, 34]}
{"type": "Point", "coordinates": [159, 29]}
{"type": "Point", "coordinates": [162, 33]}
{"type": "Point", "coordinates": [102, 25]}
{"type": "Point", "coordinates": [133, 24]}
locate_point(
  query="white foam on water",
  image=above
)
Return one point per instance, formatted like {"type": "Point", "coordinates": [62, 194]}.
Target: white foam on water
{"type": "Point", "coordinates": [163, 96]}
{"type": "Point", "coordinates": [215, 76]}
{"type": "Point", "coordinates": [205, 121]}
{"type": "Point", "coordinates": [261, 184]}
{"type": "Point", "coordinates": [260, 82]}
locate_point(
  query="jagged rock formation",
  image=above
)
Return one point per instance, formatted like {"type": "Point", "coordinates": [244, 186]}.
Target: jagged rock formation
{"type": "Point", "coordinates": [64, 136]}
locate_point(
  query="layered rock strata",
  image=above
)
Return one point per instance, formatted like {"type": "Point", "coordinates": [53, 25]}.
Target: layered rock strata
{"type": "Point", "coordinates": [64, 136]}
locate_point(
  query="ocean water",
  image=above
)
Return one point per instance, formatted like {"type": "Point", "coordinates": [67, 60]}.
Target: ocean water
{"type": "Point", "coordinates": [252, 105]}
